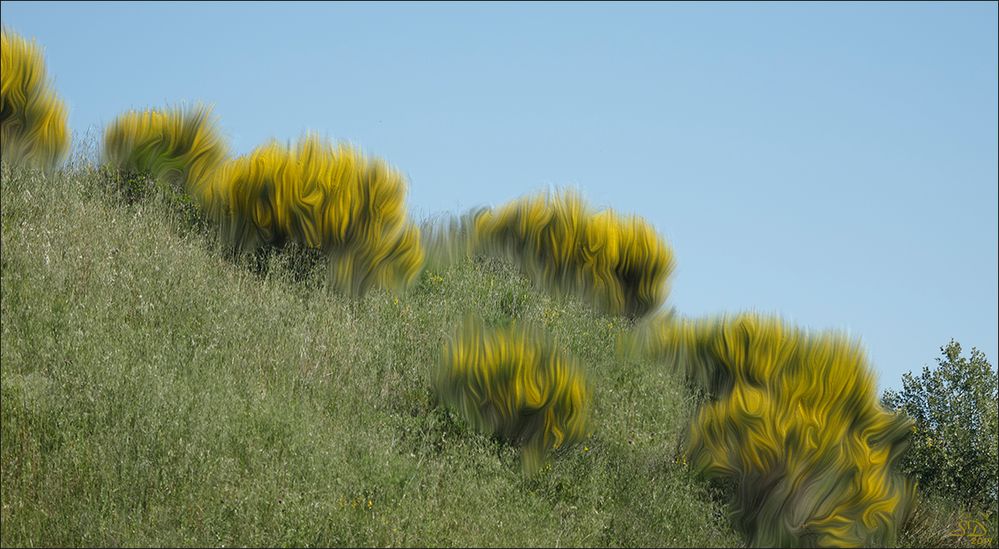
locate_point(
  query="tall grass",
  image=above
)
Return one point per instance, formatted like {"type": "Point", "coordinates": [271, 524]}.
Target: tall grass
{"type": "Point", "coordinates": [33, 128]}
{"type": "Point", "coordinates": [153, 392]}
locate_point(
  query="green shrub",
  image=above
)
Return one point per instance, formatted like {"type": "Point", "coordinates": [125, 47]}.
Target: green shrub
{"type": "Point", "coordinates": [954, 448]}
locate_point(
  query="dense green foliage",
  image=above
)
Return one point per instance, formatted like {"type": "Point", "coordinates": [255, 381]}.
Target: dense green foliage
{"type": "Point", "coordinates": [954, 447]}
{"type": "Point", "coordinates": [952, 455]}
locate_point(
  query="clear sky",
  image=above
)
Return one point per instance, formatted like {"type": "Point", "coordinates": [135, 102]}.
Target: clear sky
{"type": "Point", "coordinates": [832, 163]}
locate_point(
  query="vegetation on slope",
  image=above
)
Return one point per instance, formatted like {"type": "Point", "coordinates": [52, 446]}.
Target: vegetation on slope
{"type": "Point", "coordinates": [155, 372]}
{"type": "Point", "coordinates": [154, 392]}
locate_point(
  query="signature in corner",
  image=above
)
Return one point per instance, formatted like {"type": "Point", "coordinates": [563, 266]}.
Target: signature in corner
{"type": "Point", "coordinates": [974, 528]}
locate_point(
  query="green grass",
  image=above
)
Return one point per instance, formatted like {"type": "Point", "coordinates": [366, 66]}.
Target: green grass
{"type": "Point", "coordinates": [938, 521]}
{"type": "Point", "coordinates": [156, 392]}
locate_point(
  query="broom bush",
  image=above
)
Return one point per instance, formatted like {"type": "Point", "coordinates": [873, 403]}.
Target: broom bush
{"type": "Point", "coordinates": [618, 264]}
{"type": "Point", "coordinates": [323, 197]}
{"type": "Point", "coordinates": [180, 148]}
{"type": "Point", "coordinates": [514, 382]}
{"type": "Point", "coordinates": [793, 422]}
{"type": "Point", "coordinates": [33, 129]}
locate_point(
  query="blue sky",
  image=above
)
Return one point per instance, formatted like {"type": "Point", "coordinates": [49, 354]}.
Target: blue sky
{"type": "Point", "coordinates": [832, 163]}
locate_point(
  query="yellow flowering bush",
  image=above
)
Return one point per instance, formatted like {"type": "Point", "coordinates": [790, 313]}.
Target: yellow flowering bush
{"type": "Point", "coordinates": [515, 383]}
{"type": "Point", "coordinates": [33, 129]}
{"type": "Point", "coordinates": [179, 147]}
{"type": "Point", "coordinates": [793, 419]}
{"type": "Point", "coordinates": [619, 264]}
{"type": "Point", "coordinates": [324, 197]}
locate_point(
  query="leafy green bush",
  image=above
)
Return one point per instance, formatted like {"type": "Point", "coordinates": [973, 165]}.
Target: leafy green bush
{"type": "Point", "coordinates": [953, 451]}
{"type": "Point", "coordinates": [32, 118]}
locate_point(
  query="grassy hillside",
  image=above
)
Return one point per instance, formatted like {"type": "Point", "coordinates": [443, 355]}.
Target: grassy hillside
{"type": "Point", "coordinates": [155, 392]}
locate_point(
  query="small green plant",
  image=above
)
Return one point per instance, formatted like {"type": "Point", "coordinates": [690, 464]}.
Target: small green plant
{"type": "Point", "coordinates": [33, 128]}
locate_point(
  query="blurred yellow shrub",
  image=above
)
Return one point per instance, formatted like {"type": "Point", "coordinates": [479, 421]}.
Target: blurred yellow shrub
{"type": "Point", "coordinates": [324, 197]}
{"type": "Point", "coordinates": [179, 147]}
{"type": "Point", "coordinates": [33, 128]}
{"type": "Point", "coordinates": [794, 421]}
{"type": "Point", "coordinates": [619, 264]}
{"type": "Point", "coordinates": [514, 382]}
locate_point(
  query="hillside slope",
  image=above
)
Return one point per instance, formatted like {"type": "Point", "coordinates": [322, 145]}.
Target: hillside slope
{"type": "Point", "coordinates": [154, 392]}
